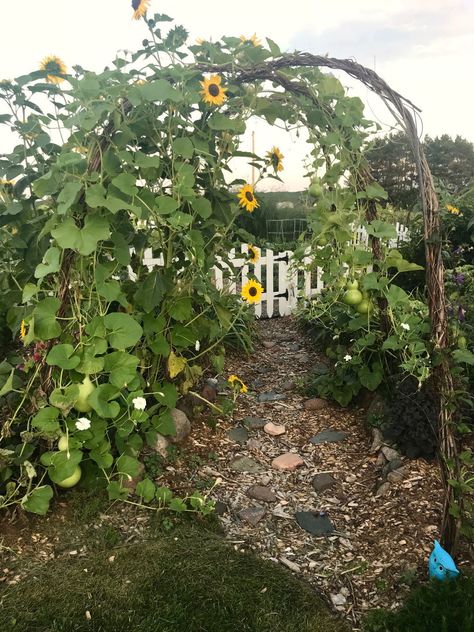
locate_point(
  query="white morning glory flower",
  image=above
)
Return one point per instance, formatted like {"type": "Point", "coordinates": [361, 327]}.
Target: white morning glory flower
{"type": "Point", "coordinates": [139, 403]}
{"type": "Point", "coordinates": [347, 358]}
{"type": "Point", "coordinates": [197, 346]}
{"type": "Point", "coordinates": [83, 423]}
{"type": "Point", "coordinates": [405, 326]}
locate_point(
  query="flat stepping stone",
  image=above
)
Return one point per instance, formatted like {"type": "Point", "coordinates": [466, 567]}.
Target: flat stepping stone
{"type": "Point", "coordinates": [260, 492]}
{"type": "Point", "coordinates": [220, 508]}
{"type": "Point", "coordinates": [239, 435]}
{"type": "Point", "coordinates": [324, 481]}
{"type": "Point", "coordinates": [314, 522]}
{"type": "Point", "coordinates": [254, 423]}
{"type": "Point", "coordinates": [273, 429]}
{"type": "Point", "coordinates": [271, 396]}
{"type": "Point", "coordinates": [252, 515]}
{"type": "Point", "coordinates": [288, 461]}
{"type": "Point", "coordinates": [315, 404]}
{"type": "Point", "coordinates": [329, 436]}
{"type": "Point", "coordinates": [245, 464]}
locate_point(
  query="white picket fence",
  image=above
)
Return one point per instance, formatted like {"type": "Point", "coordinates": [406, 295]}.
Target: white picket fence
{"type": "Point", "coordinates": [283, 279]}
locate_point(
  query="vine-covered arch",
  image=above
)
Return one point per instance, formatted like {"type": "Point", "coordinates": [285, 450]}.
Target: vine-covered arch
{"type": "Point", "coordinates": [149, 144]}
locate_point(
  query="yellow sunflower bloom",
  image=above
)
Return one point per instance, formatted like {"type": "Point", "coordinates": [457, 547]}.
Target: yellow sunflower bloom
{"type": "Point", "coordinates": [140, 8]}
{"type": "Point", "coordinates": [22, 329]}
{"type": "Point", "coordinates": [236, 382]}
{"type": "Point", "coordinates": [212, 91]}
{"type": "Point", "coordinates": [275, 159]}
{"type": "Point", "coordinates": [453, 209]}
{"type": "Point", "coordinates": [254, 253]}
{"type": "Point", "coordinates": [247, 199]}
{"type": "Point", "coordinates": [252, 291]}
{"type": "Point", "coordinates": [251, 40]}
{"type": "Point", "coordinates": [55, 67]}
{"type": "Point", "coordinates": [200, 41]}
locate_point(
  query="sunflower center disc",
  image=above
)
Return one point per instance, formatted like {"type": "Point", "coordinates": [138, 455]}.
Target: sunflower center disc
{"type": "Point", "coordinates": [249, 196]}
{"type": "Point", "coordinates": [253, 291]}
{"type": "Point", "coordinates": [213, 89]}
{"type": "Point", "coordinates": [136, 4]}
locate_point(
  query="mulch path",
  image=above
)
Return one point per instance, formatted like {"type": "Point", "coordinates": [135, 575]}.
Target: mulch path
{"type": "Point", "coordinates": [380, 544]}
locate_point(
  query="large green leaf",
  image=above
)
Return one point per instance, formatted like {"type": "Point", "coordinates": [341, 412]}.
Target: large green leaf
{"type": "Point", "coordinates": [68, 196]}
{"type": "Point", "coordinates": [166, 204]}
{"type": "Point", "coordinates": [183, 147]}
{"type": "Point", "coordinates": [463, 356]}
{"type": "Point", "coordinates": [150, 294]}
{"type": "Point", "coordinates": [126, 182]}
{"type": "Point", "coordinates": [64, 398]}
{"type": "Point", "coordinates": [44, 323]}
{"type": "Point", "coordinates": [50, 263]}
{"type": "Point", "coordinates": [83, 240]}
{"type": "Point", "coordinates": [202, 206]}
{"type": "Point", "coordinates": [164, 424]}
{"type": "Point", "coordinates": [128, 465]}
{"type": "Point", "coordinates": [123, 331]}
{"type": "Point", "coordinates": [61, 465]}
{"type": "Point", "coordinates": [146, 489]}
{"type": "Point", "coordinates": [122, 367]}
{"type": "Point", "coordinates": [381, 229]}
{"type": "Point", "coordinates": [181, 309]}
{"type": "Point", "coordinates": [220, 122]}
{"type": "Point", "coordinates": [46, 420]}
{"type": "Point", "coordinates": [63, 356]}
{"type": "Point", "coordinates": [37, 501]}
{"type": "Point", "coordinates": [160, 90]}
{"type": "Point", "coordinates": [102, 402]}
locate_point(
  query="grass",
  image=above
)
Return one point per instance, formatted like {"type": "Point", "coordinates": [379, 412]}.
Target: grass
{"type": "Point", "coordinates": [433, 607]}
{"type": "Point", "coordinates": [188, 580]}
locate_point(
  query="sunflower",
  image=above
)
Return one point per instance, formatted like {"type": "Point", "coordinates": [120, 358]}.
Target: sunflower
{"type": "Point", "coordinates": [247, 198]}
{"type": "Point", "coordinates": [254, 253]}
{"type": "Point", "coordinates": [212, 91]}
{"type": "Point", "coordinates": [22, 329]}
{"type": "Point", "coordinates": [453, 209]}
{"type": "Point", "coordinates": [236, 382]}
{"type": "Point", "coordinates": [275, 159]}
{"type": "Point", "coordinates": [140, 7]}
{"type": "Point", "coordinates": [252, 291]}
{"type": "Point", "coordinates": [251, 40]}
{"type": "Point", "coordinates": [200, 41]}
{"type": "Point", "coordinates": [55, 67]}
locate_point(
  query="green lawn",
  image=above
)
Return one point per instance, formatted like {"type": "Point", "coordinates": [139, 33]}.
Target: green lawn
{"type": "Point", "coordinates": [187, 580]}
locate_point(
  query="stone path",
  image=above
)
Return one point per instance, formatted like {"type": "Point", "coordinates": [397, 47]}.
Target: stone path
{"type": "Point", "coordinates": [305, 484]}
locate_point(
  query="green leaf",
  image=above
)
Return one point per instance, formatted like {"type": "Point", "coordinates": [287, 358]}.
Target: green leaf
{"type": "Point", "coordinates": [150, 294]}
{"type": "Point", "coordinates": [83, 240]}
{"type": "Point", "coordinates": [160, 90]}
{"type": "Point", "coordinates": [29, 290]}
{"type": "Point", "coordinates": [166, 204]}
{"type": "Point", "coordinates": [95, 196]}
{"type": "Point", "coordinates": [393, 343]}
{"type": "Point", "coordinates": [121, 249]}
{"type": "Point", "coordinates": [224, 316]}
{"type": "Point", "coordinates": [8, 386]}
{"type": "Point", "coordinates": [61, 465]}
{"type": "Point", "coordinates": [371, 379]}
{"type": "Point", "coordinates": [45, 420]}
{"type": "Point", "coordinates": [164, 424]}
{"type": "Point", "coordinates": [126, 182]}
{"type": "Point", "coordinates": [181, 310]}
{"type": "Point", "coordinates": [45, 325]}
{"type": "Point", "coordinates": [382, 230]}
{"type": "Point", "coordinates": [68, 196]}
{"type": "Point", "coordinates": [202, 206]}
{"type": "Point", "coordinates": [145, 161]}
{"type": "Point", "coordinates": [123, 330]}
{"type": "Point", "coordinates": [374, 191]}
{"type": "Point", "coordinates": [122, 368]}
{"type": "Point", "coordinates": [463, 356]}
{"type": "Point", "coordinates": [146, 490]}
{"type": "Point", "coordinates": [128, 465]}
{"type": "Point", "coordinates": [160, 346]}
{"type": "Point", "coordinates": [175, 364]}
{"type": "Point", "coordinates": [46, 185]}
{"type": "Point", "coordinates": [37, 501]}
{"type": "Point", "coordinates": [101, 400]}
{"type": "Point", "coordinates": [64, 398]}
{"type": "Point", "coordinates": [63, 356]}
{"type": "Point", "coordinates": [166, 393]}
{"type": "Point", "coordinates": [49, 265]}
{"type": "Point", "coordinates": [396, 295]}
{"type": "Point", "coordinates": [183, 147]}
{"type": "Point", "coordinates": [116, 491]}
{"type": "Point", "coordinates": [176, 504]}
{"type": "Point", "coordinates": [220, 122]}
{"type": "Point", "coordinates": [163, 495]}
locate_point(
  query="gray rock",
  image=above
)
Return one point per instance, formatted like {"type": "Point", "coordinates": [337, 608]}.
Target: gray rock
{"type": "Point", "coordinates": [391, 466]}
{"type": "Point", "coordinates": [254, 444]}
{"type": "Point", "coordinates": [294, 346]}
{"type": "Point", "coordinates": [315, 404]}
{"type": "Point", "coordinates": [329, 436]}
{"type": "Point", "coordinates": [381, 460]}
{"type": "Point", "coordinates": [377, 441]}
{"type": "Point", "coordinates": [238, 434]}
{"type": "Point", "coordinates": [271, 396]}
{"type": "Point", "coordinates": [390, 454]}
{"type": "Point", "coordinates": [319, 368]}
{"type": "Point", "coordinates": [269, 344]}
{"type": "Point", "coordinates": [315, 522]}
{"type": "Point", "coordinates": [302, 357]}
{"type": "Point", "coordinates": [220, 508]}
{"type": "Point", "coordinates": [252, 515]}
{"type": "Point", "coordinates": [245, 464]}
{"type": "Point", "coordinates": [263, 370]}
{"type": "Point", "coordinates": [383, 489]}
{"type": "Point", "coordinates": [324, 481]}
{"type": "Point", "coordinates": [259, 492]}
{"type": "Point", "coordinates": [254, 423]}
{"type": "Point", "coordinates": [182, 426]}
{"type": "Point", "coordinates": [161, 445]}
{"type": "Point", "coordinates": [376, 410]}
{"type": "Point", "coordinates": [288, 385]}
{"type": "Point", "coordinates": [397, 476]}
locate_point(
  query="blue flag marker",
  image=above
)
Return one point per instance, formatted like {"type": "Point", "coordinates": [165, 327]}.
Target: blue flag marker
{"type": "Point", "coordinates": [441, 565]}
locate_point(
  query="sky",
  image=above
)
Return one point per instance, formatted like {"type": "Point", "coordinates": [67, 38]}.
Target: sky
{"type": "Point", "coordinates": [424, 49]}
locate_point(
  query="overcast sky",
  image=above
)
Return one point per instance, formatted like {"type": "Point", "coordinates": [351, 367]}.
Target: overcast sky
{"type": "Point", "coordinates": [423, 48]}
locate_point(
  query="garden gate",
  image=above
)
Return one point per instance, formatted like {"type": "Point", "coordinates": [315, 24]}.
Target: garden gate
{"type": "Point", "coordinates": [284, 279]}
